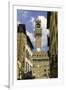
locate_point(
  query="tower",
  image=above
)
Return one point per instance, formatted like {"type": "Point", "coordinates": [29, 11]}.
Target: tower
{"type": "Point", "coordinates": [38, 34]}
{"type": "Point", "coordinates": [40, 57]}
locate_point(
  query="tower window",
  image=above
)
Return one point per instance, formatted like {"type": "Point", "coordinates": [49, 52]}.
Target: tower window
{"type": "Point", "coordinates": [38, 25]}
{"type": "Point", "coordinates": [45, 70]}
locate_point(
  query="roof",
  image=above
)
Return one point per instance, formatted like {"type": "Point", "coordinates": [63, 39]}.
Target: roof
{"type": "Point", "coordinates": [21, 28]}
{"type": "Point", "coordinates": [29, 42]}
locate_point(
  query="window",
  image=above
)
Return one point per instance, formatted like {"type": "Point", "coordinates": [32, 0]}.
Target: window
{"type": "Point", "coordinates": [38, 25]}
{"type": "Point", "coordinates": [30, 68]}
{"type": "Point", "coordinates": [27, 54]}
{"type": "Point", "coordinates": [26, 67]}
{"type": "Point", "coordinates": [37, 55]}
{"type": "Point", "coordinates": [45, 70]}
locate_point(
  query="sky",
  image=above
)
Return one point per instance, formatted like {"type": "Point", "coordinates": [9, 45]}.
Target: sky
{"type": "Point", "coordinates": [28, 18]}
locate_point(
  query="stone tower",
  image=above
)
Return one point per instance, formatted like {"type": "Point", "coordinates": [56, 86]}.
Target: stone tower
{"type": "Point", "coordinates": [38, 34]}
{"type": "Point", "coordinates": [40, 57]}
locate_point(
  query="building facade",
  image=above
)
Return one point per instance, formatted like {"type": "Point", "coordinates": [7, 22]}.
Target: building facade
{"type": "Point", "coordinates": [28, 59]}
{"type": "Point", "coordinates": [52, 25]}
{"type": "Point", "coordinates": [21, 42]}
{"type": "Point", "coordinates": [24, 53]}
{"type": "Point", "coordinates": [40, 64]}
{"type": "Point", "coordinates": [40, 57]}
